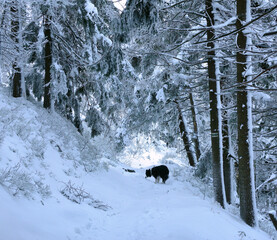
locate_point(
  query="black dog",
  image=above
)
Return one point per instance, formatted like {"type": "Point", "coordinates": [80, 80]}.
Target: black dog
{"type": "Point", "coordinates": [158, 172]}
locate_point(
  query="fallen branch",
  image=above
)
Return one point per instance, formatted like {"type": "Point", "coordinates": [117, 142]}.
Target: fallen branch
{"type": "Point", "coordinates": [273, 219]}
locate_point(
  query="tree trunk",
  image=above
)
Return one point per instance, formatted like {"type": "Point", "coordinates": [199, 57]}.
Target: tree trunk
{"type": "Point", "coordinates": [226, 159]}
{"type": "Point", "coordinates": [16, 79]}
{"type": "Point", "coordinates": [195, 128]}
{"type": "Point", "coordinates": [1, 27]}
{"type": "Point", "coordinates": [48, 62]}
{"type": "Point", "coordinates": [215, 113]}
{"type": "Point", "coordinates": [245, 142]}
{"type": "Point", "coordinates": [185, 137]}
{"type": "Point", "coordinates": [77, 119]}
{"type": "Point", "coordinates": [21, 51]}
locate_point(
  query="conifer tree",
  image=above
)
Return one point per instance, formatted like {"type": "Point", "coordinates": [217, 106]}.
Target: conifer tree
{"type": "Point", "coordinates": [47, 61]}
{"type": "Point", "coordinates": [16, 78]}
{"type": "Point", "coordinates": [244, 112]}
{"type": "Point", "coordinates": [215, 111]}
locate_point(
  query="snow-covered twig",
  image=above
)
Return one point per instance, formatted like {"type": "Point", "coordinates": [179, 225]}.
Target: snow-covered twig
{"type": "Point", "coordinates": [269, 180]}
{"type": "Point", "coordinates": [241, 28]}
{"type": "Point", "coordinates": [79, 195]}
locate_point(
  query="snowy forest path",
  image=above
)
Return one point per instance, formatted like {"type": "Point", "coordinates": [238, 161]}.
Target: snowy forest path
{"type": "Point", "coordinates": [145, 210]}
{"type": "Point", "coordinates": [150, 209]}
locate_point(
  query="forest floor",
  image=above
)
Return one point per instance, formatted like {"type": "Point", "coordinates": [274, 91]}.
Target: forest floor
{"type": "Point", "coordinates": [55, 186]}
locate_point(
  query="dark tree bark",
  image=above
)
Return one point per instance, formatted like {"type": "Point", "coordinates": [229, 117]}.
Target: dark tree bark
{"type": "Point", "coordinates": [214, 114]}
{"type": "Point", "coordinates": [48, 62]}
{"type": "Point", "coordinates": [273, 220]}
{"type": "Point", "coordinates": [77, 119]}
{"type": "Point", "coordinates": [16, 78]}
{"type": "Point", "coordinates": [185, 137]}
{"type": "Point", "coordinates": [195, 128]}
{"type": "Point", "coordinates": [245, 151]}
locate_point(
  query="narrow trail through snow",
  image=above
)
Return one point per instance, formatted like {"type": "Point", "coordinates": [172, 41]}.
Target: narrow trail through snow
{"type": "Point", "coordinates": [145, 210]}
{"type": "Point", "coordinates": [138, 209]}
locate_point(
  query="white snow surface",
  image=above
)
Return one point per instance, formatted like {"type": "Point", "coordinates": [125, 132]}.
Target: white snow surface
{"type": "Point", "coordinates": [41, 154]}
{"type": "Point", "coordinates": [90, 8]}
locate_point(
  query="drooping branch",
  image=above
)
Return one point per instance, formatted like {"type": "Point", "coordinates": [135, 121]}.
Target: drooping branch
{"type": "Point", "coordinates": [242, 27]}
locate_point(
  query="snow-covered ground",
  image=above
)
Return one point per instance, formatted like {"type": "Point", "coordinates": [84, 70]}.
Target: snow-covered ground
{"type": "Point", "coordinates": [55, 186]}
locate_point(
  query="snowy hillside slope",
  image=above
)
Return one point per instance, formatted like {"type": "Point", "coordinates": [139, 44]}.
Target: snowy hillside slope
{"type": "Point", "coordinates": [54, 185]}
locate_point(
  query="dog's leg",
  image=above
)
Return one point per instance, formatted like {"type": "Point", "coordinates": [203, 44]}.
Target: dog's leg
{"type": "Point", "coordinates": [157, 179]}
{"type": "Point", "coordinates": [164, 179]}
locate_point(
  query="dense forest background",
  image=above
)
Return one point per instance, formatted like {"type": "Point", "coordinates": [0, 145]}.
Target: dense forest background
{"type": "Point", "coordinates": [198, 75]}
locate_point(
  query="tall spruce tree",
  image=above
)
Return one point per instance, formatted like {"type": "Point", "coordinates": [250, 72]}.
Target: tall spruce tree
{"type": "Point", "coordinates": [215, 109]}
{"type": "Point", "coordinates": [47, 60]}
{"type": "Point", "coordinates": [244, 111]}
{"type": "Point", "coordinates": [16, 78]}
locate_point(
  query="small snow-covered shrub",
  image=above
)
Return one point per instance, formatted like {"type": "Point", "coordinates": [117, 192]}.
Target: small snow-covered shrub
{"type": "Point", "coordinates": [204, 167]}
{"type": "Point", "coordinates": [79, 195]}
{"type": "Point", "coordinates": [106, 146]}
{"type": "Point", "coordinates": [19, 183]}
{"type": "Point", "coordinates": [75, 194]}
